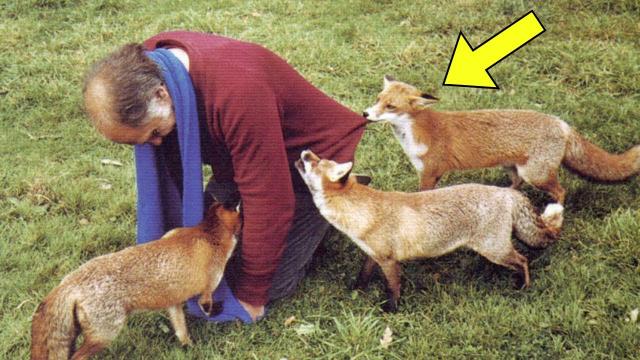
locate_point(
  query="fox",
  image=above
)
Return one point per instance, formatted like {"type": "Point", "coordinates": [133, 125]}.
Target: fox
{"type": "Point", "coordinates": [530, 145]}
{"type": "Point", "coordinates": [96, 298]}
{"type": "Point", "coordinates": [394, 227]}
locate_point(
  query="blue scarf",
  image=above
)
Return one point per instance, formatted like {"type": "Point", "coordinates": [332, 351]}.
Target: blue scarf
{"type": "Point", "coordinates": [161, 205]}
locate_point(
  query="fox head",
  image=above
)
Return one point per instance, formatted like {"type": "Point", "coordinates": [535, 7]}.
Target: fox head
{"type": "Point", "coordinates": [221, 214]}
{"type": "Point", "coordinates": [396, 101]}
{"type": "Point", "coordinates": [320, 174]}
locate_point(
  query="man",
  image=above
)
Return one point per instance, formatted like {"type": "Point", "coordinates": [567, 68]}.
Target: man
{"type": "Point", "coordinates": [255, 115]}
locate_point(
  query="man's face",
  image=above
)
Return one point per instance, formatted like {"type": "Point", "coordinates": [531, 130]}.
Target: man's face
{"type": "Point", "coordinates": [159, 123]}
{"type": "Point", "coordinates": [152, 132]}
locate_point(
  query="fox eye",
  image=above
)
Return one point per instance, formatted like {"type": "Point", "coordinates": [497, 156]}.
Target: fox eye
{"type": "Point", "coordinates": [390, 107]}
{"type": "Point", "coordinates": [155, 133]}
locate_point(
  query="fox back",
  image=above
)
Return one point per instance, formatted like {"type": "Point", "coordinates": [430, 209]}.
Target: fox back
{"type": "Point", "coordinates": [406, 226]}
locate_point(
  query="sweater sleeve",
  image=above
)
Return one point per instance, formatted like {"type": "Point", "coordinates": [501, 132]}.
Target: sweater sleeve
{"type": "Point", "coordinates": [252, 130]}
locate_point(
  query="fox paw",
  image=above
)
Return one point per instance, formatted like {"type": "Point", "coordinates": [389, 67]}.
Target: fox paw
{"type": "Point", "coordinates": [390, 307]}
{"type": "Point", "coordinates": [205, 306]}
{"type": "Point", "coordinates": [391, 304]}
{"type": "Point", "coordinates": [216, 308]}
{"type": "Point", "coordinates": [211, 308]}
{"type": "Point", "coordinates": [359, 285]}
{"type": "Point", "coordinates": [186, 342]}
{"type": "Point", "coordinates": [520, 282]}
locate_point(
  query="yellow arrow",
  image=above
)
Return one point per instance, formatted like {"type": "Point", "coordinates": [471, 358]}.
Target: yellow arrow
{"type": "Point", "coordinates": [468, 67]}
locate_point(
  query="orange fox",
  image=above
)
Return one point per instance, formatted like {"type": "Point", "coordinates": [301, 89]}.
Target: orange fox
{"type": "Point", "coordinates": [391, 227]}
{"type": "Point", "coordinates": [96, 298]}
{"type": "Point", "coordinates": [528, 144]}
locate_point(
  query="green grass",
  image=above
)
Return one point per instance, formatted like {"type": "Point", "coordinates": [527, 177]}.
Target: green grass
{"type": "Point", "coordinates": [55, 212]}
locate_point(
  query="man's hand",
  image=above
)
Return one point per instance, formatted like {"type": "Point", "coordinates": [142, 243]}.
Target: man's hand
{"type": "Point", "coordinates": [254, 311]}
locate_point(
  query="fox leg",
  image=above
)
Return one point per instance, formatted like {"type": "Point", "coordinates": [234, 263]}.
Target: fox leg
{"type": "Point", "coordinates": [553, 187]}
{"type": "Point", "coordinates": [499, 250]}
{"type": "Point", "coordinates": [205, 301]}
{"type": "Point", "coordinates": [543, 174]}
{"type": "Point", "coordinates": [89, 348]}
{"type": "Point", "coordinates": [516, 180]}
{"type": "Point", "coordinates": [519, 263]}
{"type": "Point", "coordinates": [428, 182]}
{"type": "Point", "coordinates": [176, 315]}
{"type": "Point", "coordinates": [391, 270]}
{"type": "Point", "coordinates": [212, 308]}
{"type": "Point", "coordinates": [207, 305]}
{"type": "Point", "coordinates": [99, 326]}
{"type": "Point", "coordinates": [429, 178]}
{"type": "Point", "coordinates": [365, 274]}
{"type": "Point", "coordinates": [94, 342]}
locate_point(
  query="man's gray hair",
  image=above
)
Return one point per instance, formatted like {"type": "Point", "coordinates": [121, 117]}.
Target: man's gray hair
{"type": "Point", "coordinates": [131, 80]}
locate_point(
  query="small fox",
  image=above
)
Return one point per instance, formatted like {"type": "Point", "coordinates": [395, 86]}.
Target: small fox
{"type": "Point", "coordinates": [96, 298]}
{"type": "Point", "coordinates": [392, 227]}
{"type": "Point", "coordinates": [528, 144]}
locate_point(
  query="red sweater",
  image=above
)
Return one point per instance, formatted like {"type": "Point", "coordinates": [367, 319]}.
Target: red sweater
{"type": "Point", "coordinates": [259, 115]}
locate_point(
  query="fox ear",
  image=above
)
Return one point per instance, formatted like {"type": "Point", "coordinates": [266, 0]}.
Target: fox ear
{"type": "Point", "coordinates": [387, 80]}
{"type": "Point", "coordinates": [423, 100]}
{"type": "Point", "coordinates": [339, 171]}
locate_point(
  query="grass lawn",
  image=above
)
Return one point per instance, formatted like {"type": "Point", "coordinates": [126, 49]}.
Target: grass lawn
{"type": "Point", "coordinates": [60, 206]}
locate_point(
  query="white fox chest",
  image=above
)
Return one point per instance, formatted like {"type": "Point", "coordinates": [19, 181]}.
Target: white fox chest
{"type": "Point", "coordinates": [414, 150]}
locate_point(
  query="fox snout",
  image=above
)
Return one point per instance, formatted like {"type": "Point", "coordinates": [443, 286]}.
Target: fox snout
{"type": "Point", "coordinates": [308, 166]}
{"type": "Point", "coordinates": [377, 113]}
{"type": "Point", "coordinates": [369, 114]}
{"type": "Point", "coordinates": [308, 156]}
{"type": "Point", "coordinates": [305, 156]}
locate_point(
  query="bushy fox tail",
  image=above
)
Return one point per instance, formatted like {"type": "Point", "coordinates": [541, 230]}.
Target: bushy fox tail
{"type": "Point", "coordinates": [537, 231]}
{"type": "Point", "coordinates": [592, 162]}
{"type": "Point", "coordinates": [54, 327]}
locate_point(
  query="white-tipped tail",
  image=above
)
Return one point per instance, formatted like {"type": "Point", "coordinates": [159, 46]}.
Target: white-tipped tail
{"type": "Point", "coordinates": [552, 216]}
{"type": "Point", "coordinates": [537, 231]}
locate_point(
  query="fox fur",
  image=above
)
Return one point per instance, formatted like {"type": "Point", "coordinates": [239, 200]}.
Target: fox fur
{"type": "Point", "coordinates": [392, 227]}
{"type": "Point", "coordinates": [528, 144]}
{"type": "Point", "coordinates": [96, 298]}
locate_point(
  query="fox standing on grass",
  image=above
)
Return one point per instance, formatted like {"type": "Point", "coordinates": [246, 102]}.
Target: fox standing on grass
{"type": "Point", "coordinates": [391, 227]}
{"type": "Point", "coordinates": [97, 297]}
{"type": "Point", "coordinates": [529, 144]}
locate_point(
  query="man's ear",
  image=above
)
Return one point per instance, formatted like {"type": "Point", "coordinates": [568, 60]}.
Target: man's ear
{"type": "Point", "coordinates": [339, 171]}
{"type": "Point", "coordinates": [423, 100]}
{"type": "Point", "coordinates": [386, 81]}
{"type": "Point", "coordinates": [162, 94]}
